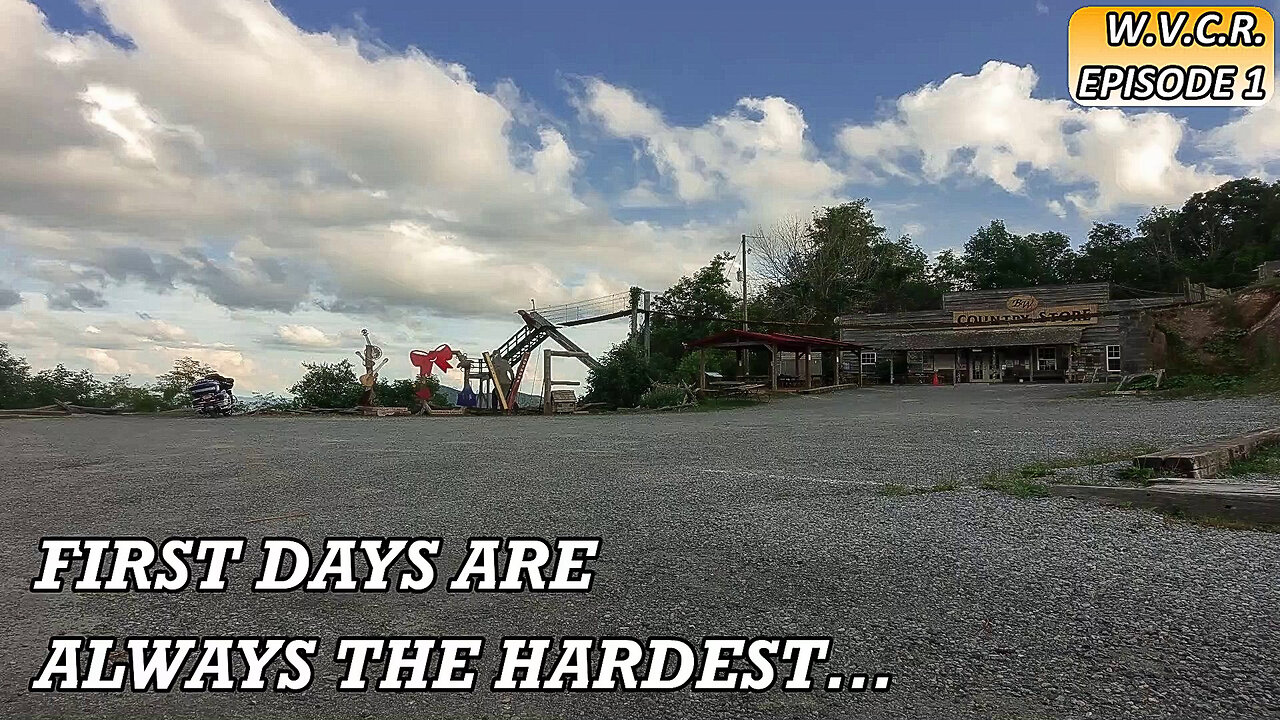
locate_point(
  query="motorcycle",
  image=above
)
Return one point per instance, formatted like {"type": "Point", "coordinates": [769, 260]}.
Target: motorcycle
{"type": "Point", "coordinates": [211, 396]}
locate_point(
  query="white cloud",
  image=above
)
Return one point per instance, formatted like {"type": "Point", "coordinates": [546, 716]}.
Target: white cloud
{"type": "Point", "coordinates": [990, 126]}
{"type": "Point", "coordinates": [305, 155]}
{"type": "Point", "coordinates": [101, 361]}
{"type": "Point", "coordinates": [757, 154]}
{"type": "Point", "coordinates": [305, 336]}
{"type": "Point", "coordinates": [1250, 140]}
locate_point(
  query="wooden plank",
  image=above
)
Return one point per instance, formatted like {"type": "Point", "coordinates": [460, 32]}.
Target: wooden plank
{"type": "Point", "coordinates": [493, 375]}
{"type": "Point", "coordinates": [515, 386]}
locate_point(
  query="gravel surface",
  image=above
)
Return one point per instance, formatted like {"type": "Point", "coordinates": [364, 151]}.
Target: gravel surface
{"type": "Point", "coordinates": [760, 521]}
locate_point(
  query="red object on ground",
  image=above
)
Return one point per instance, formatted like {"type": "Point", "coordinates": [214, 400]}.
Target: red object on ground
{"type": "Point", "coordinates": [935, 378]}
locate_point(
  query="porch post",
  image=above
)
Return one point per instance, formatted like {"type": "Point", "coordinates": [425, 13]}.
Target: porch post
{"type": "Point", "coordinates": [808, 373]}
{"type": "Point", "coordinates": [1031, 365]}
{"type": "Point", "coordinates": [702, 368]}
{"type": "Point", "coordinates": [773, 367]}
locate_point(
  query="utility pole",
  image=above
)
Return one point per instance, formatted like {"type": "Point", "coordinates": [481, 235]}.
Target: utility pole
{"type": "Point", "coordinates": [745, 251]}
{"type": "Point", "coordinates": [744, 281]}
{"type": "Point", "coordinates": [742, 354]}
{"type": "Point", "coordinates": [648, 325]}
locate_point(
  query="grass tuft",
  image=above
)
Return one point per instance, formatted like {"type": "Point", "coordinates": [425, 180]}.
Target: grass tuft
{"type": "Point", "coordinates": [729, 403]}
{"type": "Point", "coordinates": [1016, 484]}
{"type": "Point", "coordinates": [1263, 462]}
{"type": "Point", "coordinates": [1141, 475]}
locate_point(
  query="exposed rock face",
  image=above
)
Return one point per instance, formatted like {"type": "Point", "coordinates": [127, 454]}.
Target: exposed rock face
{"type": "Point", "coordinates": [1221, 335]}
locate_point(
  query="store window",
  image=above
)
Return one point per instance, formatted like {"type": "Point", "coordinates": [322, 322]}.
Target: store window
{"type": "Point", "coordinates": [1113, 358]}
{"type": "Point", "coordinates": [868, 358]}
{"type": "Point", "coordinates": [1047, 358]}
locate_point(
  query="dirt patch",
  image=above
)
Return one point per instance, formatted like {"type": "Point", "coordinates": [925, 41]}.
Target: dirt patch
{"type": "Point", "coordinates": [1228, 335]}
{"type": "Point", "coordinates": [1257, 304]}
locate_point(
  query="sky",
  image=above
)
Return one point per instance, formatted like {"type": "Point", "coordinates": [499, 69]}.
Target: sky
{"type": "Point", "coordinates": [251, 184]}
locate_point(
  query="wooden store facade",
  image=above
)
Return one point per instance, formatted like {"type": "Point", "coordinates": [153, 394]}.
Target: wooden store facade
{"type": "Point", "coordinates": [1072, 333]}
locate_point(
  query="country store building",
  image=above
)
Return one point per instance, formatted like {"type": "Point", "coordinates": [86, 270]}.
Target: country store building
{"type": "Point", "coordinates": [1072, 333]}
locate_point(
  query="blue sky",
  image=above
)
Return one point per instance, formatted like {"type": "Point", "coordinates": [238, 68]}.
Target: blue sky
{"type": "Point", "coordinates": [256, 183]}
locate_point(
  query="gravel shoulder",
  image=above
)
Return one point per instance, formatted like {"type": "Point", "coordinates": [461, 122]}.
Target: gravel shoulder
{"type": "Point", "coordinates": [756, 521]}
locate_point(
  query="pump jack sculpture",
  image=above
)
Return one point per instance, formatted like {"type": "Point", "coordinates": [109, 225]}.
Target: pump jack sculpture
{"type": "Point", "coordinates": [499, 381]}
{"type": "Point", "coordinates": [499, 372]}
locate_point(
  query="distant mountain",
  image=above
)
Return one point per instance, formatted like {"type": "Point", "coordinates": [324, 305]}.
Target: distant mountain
{"type": "Point", "coordinates": [523, 399]}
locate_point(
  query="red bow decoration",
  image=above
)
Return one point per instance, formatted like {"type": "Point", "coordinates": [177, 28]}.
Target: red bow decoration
{"type": "Point", "coordinates": [426, 361]}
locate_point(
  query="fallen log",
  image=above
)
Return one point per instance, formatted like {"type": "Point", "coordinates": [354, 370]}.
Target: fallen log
{"type": "Point", "coordinates": [80, 409]}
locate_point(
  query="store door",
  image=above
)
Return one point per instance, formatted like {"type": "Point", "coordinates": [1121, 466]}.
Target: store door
{"type": "Point", "coordinates": [982, 366]}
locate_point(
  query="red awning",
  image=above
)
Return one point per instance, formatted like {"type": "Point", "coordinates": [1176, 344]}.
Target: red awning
{"type": "Point", "coordinates": [789, 343]}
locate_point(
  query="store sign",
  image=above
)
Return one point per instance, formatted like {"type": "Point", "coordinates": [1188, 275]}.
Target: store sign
{"type": "Point", "coordinates": [1022, 303]}
{"type": "Point", "coordinates": [1060, 315]}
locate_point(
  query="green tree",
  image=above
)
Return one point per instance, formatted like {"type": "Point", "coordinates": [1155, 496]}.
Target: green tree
{"type": "Point", "coordinates": [826, 269]}
{"type": "Point", "coordinates": [899, 279]}
{"type": "Point", "coordinates": [994, 258]}
{"type": "Point", "coordinates": [404, 392]}
{"type": "Point", "coordinates": [688, 310]}
{"type": "Point", "coordinates": [328, 385]}
{"type": "Point", "coordinates": [624, 375]}
{"type": "Point", "coordinates": [947, 273]}
{"type": "Point", "coordinates": [15, 374]}
{"type": "Point", "coordinates": [173, 385]}
{"type": "Point", "coordinates": [77, 387]}
{"type": "Point", "coordinates": [1107, 251]}
{"type": "Point", "coordinates": [1226, 232]}
{"type": "Point", "coordinates": [119, 391]}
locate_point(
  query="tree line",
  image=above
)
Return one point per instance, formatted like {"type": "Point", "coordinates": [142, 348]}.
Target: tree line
{"type": "Point", "coordinates": [322, 385]}
{"type": "Point", "coordinates": [807, 272]}
{"type": "Point", "coordinates": [841, 261]}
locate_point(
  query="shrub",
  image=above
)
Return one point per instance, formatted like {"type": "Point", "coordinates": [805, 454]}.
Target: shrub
{"type": "Point", "coordinates": [328, 385]}
{"type": "Point", "coordinates": [622, 378]}
{"type": "Point", "coordinates": [118, 392]}
{"type": "Point", "coordinates": [663, 396]}
{"type": "Point", "coordinates": [404, 392]}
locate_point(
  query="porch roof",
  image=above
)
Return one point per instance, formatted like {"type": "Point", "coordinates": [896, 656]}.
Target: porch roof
{"type": "Point", "coordinates": [1003, 337]}
{"type": "Point", "coordinates": [782, 341]}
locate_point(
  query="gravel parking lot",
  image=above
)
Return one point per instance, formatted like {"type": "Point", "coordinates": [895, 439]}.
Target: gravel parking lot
{"type": "Point", "coordinates": [760, 521]}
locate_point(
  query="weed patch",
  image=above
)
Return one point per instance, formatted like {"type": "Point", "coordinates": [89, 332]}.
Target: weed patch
{"type": "Point", "coordinates": [714, 404]}
{"type": "Point", "coordinates": [1141, 475]}
{"type": "Point", "coordinates": [1016, 484]}
{"type": "Point", "coordinates": [1263, 462]}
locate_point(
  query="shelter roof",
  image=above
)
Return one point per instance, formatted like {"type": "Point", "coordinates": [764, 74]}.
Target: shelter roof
{"type": "Point", "coordinates": [783, 341]}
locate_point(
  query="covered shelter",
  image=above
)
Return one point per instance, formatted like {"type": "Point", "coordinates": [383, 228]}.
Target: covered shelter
{"type": "Point", "coordinates": [802, 345]}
